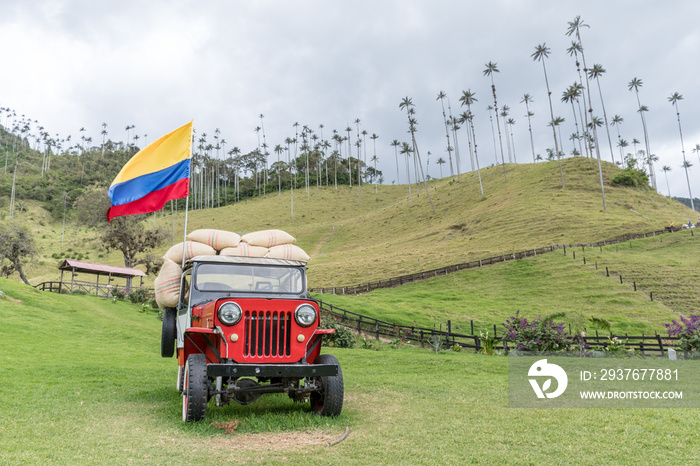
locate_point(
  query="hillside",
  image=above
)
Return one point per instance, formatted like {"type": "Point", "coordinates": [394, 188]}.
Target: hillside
{"type": "Point", "coordinates": [384, 235]}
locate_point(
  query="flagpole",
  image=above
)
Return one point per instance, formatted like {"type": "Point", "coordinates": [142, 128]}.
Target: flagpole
{"type": "Point", "coordinates": [184, 235]}
{"type": "Point", "coordinates": [187, 208]}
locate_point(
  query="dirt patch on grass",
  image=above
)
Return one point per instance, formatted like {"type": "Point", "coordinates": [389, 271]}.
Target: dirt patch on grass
{"type": "Point", "coordinates": [285, 441]}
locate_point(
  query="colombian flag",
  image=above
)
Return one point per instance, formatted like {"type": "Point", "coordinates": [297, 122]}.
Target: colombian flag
{"type": "Point", "coordinates": [156, 174]}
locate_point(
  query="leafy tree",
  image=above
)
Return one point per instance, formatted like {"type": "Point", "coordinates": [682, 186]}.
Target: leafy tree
{"type": "Point", "coordinates": [16, 245]}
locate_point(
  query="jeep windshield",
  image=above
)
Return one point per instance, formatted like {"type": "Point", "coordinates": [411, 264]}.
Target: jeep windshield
{"type": "Point", "coordinates": [248, 278]}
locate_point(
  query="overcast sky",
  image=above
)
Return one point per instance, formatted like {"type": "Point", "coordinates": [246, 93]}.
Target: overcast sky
{"type": "Point", "coordinates": [158, 64]}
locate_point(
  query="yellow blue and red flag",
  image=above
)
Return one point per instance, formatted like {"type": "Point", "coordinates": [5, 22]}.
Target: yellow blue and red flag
{"type": "Point", "coordinates": [156, 174]}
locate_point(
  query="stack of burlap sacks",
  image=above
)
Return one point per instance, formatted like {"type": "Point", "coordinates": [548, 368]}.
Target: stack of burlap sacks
{"type": "Point", "coordinates": [206, 242]}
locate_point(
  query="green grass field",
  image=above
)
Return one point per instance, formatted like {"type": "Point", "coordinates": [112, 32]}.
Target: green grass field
{"type": "Point", "coordinates": [549, 283]}
{"type": "Point", "coordinates": [82, 382]}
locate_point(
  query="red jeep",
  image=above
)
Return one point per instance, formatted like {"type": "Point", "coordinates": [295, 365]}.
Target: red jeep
{"type": "Point", "coordinates": [245, 326]}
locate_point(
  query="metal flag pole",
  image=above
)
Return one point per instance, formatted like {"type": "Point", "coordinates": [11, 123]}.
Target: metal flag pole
{"type": "Point", "coordinates": [187, 208]}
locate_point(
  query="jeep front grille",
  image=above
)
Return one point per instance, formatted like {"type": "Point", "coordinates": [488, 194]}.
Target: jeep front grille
{"type": "Point", "coordinates": [268, 333]}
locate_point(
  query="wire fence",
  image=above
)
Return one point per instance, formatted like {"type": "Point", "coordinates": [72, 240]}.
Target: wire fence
{"type": "Point", "coordinates": [413, 277]}
{"type": "Point", "coordinates": [647, 345]}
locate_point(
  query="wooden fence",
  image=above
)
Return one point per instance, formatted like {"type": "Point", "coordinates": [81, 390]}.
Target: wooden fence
{"type": "Point", "coordinates": [413, 277]}
{"type": "Point", "coordinates": [648, 345]}
{"type": "Point", "coordinates": [81, 287]}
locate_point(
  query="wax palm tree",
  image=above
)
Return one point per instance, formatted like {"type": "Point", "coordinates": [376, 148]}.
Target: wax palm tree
{"type": "Point", "coordinates": [674, 98]}
{"type": "Point", "coordinates": [406, 149]}
{"type": "Point", "coordinates": [407, 104]}
{"type": "Point", "coordinates": [104, 135]}
{"type": "Point", "coordinates": [595, 73]}
{"type": "Point", "coordinates": [556, 121]}
{"type": "Point", "coordinates": [575, 28]}
{"type": "Point", "coordinates": [511, 123]}
{"type": "Point", "coordinates": [571, 95]}
{"type": "Point", "coordinates": [441, 96]}
{"type": "Point", "coordinates": [348, 129]}
{"type": "Point", "coordinates": [468, 98]}
{"type": "Point", "coordinates": [374, 138]}
{"type": "Point", "coordinates": [440, 161]}
{"type": "Point", "coordinates": [635, 84]}
{"type": "Point", "coordinates": [667, 169]}
{"type": "Point", "coordinates": [696, 149]}
{"type": "Point", "coordinates": [527, 98]}
{"type": "Point", "coordinates": [492, 68]}
{"type": "Point", "coordinates": [395, 144]}
{"type": "Point", "coordinates": [489, 108]}
{"type": "Point", "coordinates": [505, 111]}
{"type": "Point", "coordinates": [542, 52]}
{"type": "Point", "coordinates": [278, 149]}
{"type": "Point", "coordinates": [616, 122]}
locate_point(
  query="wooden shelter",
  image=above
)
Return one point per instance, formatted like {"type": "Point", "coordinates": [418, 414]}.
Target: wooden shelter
{"type": "Point", "coordinates": [104, 289]}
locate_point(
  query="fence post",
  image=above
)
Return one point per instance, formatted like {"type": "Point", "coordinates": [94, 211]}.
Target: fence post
{"type": "Point", "coordinates": [661, 344]}
{"type": "Point", "coordinates": [472, 323]}
{"type": "Point", "coordinates": [376, 329]}
{"type": "Point", "coordinates": [651, 295]}
{"type": "Point", "coordinates": [620, 279]}
{"type": "Point", "coordinates": [359, 326]}
{"type": "Point", "coordinates": [607, 272]}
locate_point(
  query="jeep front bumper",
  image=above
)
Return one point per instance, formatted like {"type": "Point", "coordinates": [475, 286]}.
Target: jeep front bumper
{"type": "Point", "coordinates": [272, 370]}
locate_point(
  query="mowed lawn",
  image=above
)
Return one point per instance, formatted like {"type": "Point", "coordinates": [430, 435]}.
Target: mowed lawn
{"type": "Point", "coordinates": [82, 382]}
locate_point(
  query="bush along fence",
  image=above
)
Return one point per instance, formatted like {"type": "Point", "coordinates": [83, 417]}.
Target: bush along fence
{"type": "Point", "coordinates": [647, 345]}
{"type": "Point", "coordinates": [413, 277]}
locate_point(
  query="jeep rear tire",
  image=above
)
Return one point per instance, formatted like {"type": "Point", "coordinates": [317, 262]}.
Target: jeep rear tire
{"type": "Point", "coordinates": [195, 392]}
{"type": "Point", "coordinates": [168, 333]}
{"type": "Point", "coordinates": [329, 400]}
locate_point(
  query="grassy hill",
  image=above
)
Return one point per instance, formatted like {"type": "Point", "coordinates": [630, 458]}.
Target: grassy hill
{"type": "Point", "coordinates": [384, 235]}
{"type": "Point", "coordinates": [665, 265]}
{"type": "Point", "coordinates": [83, 383]}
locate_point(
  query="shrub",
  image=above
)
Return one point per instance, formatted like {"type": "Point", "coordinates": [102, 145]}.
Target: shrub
{"type": "Point", "coordinates": [117, 294]}
{"type": "Point", "coordinates": [342, 338]}
{"type": "Point", "coordinates": [138, 295]}
{"type": "Point", "coordinates": [631, 177]}
{"type": "Point", "coordinates": [537, 335]}
{"type": "Point", "coordinates": [689, 332]}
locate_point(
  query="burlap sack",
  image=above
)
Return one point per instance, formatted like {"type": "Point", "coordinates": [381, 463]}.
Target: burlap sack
{"type": "Point", "coordinates": [288, 251]}
{"type": "Point", "coordinates": [192, 249]}
{"type": "Point", "coordinates": [244, 249]}
{"type": "Point", "coordinates": [268, 238]}
{"type": "Point", "coordinates": [217, 239]}
{"type": "Point", "coordinates": [167, 284]}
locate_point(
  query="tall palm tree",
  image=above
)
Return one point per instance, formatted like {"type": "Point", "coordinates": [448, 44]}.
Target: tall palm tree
{"type": "Point", "coordinates": [635, 84]}
{"type": "Point", "coordinates": [374, 138]}
{"type": "Point", "coordinates": [696, 149]}
{"type": "Point", "coordinates": [492, 68]}
{"type": "Point", "coordinates": [575, 27]}
{"type": "Point", "coordinates": [348, 129]}
{"type": "Point", "coordinates": [556, 121]}
{"type": "Point", "coordinates": [675, 97]}
{"type": "Point", "coordinates": [468, 98]}
{"type": "Point", "coordinates": [406, 149]}
{"type": "Point", "coordinates": [527, 98]}
{"type": "Point", "coordinates": [407, 104]}
{"type": "Point", "coordinates": [571, 95]}
{"type": "Point", "coordinates": [511, 123]}
{"type": "Point", "coordinates": [489, 108]}
{"type": "Point", "coordinates": [595, 73]}
{"type": "Point", "coordinates": [667, 169]}
{"type": "Point", "coordinates": [441, 96]}
{"type": "Point", "coordinates": [622, 143]}
{"type": "Point", "coordinates": [505, 111]}
{"type": "Point", "coordinates": [616, 122]}
{"type": "Point", "coordinates": [395, 144]}
{"type": "Point", "coordinates": [440, 161]}
{"type": "Point", "coordinates": [542, 52]}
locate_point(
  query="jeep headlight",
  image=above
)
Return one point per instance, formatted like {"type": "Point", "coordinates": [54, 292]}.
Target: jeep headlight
{"type": "Point", "coordinates": [305, 315]}
{"type": "Point", "coordinates": [230, 313]}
